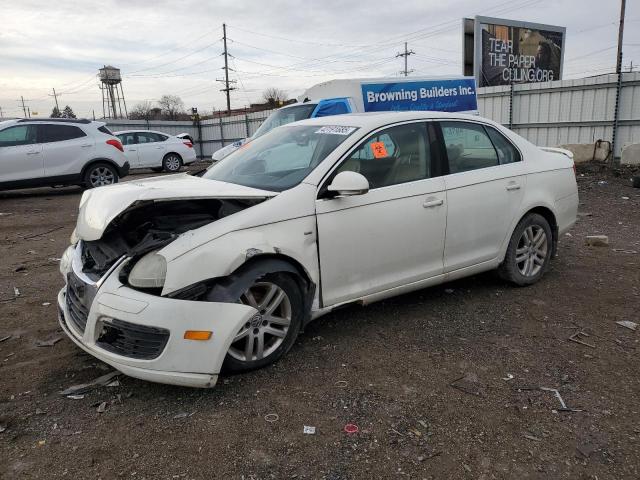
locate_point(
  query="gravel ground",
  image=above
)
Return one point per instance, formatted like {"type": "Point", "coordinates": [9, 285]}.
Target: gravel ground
{"type": "Point", "coordinates": [387, 368]}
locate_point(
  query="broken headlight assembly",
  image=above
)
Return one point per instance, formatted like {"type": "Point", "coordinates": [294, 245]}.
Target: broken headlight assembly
{"type": "Point", "coordinates": [149, 272]}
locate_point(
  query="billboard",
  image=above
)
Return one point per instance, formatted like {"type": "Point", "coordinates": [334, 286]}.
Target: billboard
{"type": "Point", "coordinates": [446, 95]}
{"type": "Point", "coordinates": [509, 52]}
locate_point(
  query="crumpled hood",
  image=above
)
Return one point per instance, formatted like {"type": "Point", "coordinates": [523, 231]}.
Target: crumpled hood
{"type": "Point", "coordinates": [99, 206]}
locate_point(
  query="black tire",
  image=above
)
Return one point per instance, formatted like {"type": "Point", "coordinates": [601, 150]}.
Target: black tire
{"type": "Point", "coordinates": [156, 169]}
{"type": "Point", "coordinates": [527, 271]}
{"type": "Point", "coordinates": [288, 284]}
{"type": "Point", "coordinates": [172, 163]}
{"type": "Point", "coordinates": [635, 181]}
{"type": "Point", "coordinates": [100, 174]}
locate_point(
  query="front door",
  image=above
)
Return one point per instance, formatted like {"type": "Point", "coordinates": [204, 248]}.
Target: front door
{"type": "Point", "coordinates": [128, 140]}
{"type": "Point", "coordinates": [150, 149]}
{"type": "Point", "coordinates": [394, 234]}
{"type": "Point", "coordinates": [20, 154]}
{"type": "Point", "coordinates": [485, 187]}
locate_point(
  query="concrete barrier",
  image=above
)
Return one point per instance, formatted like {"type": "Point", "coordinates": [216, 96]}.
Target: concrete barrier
{"type": "Point", "coordinates": [584, 152]}
{"type": "Point", "coordinates": [630, 154]}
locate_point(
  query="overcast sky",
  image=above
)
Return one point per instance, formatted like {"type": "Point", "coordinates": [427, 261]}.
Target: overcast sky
{"type": "Point", "coordinates": [169, 47]}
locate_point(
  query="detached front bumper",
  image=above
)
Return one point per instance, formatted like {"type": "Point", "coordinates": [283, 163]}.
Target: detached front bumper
{"type": "Point", "coordinates": [142, 335]}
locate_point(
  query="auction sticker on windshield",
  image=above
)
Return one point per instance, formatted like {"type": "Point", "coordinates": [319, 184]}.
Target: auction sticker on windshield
{"type": "Point", "coordinates": [335, 130]}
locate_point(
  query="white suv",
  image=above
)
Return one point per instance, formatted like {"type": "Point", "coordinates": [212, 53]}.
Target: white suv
{"type": "Point", "coordinates": [48, 152]}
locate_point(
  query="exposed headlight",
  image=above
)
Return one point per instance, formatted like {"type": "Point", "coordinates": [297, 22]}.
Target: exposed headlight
{"type": "Point", "coordinates": [65, 261]}
{"type": "Point", "coordinates": [149, 272]}
{"type": "Point", "coordinates": [74, 238]}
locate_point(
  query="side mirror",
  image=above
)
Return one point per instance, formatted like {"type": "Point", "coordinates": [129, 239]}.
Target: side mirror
{"type": "Point", "coordinates": [348, 183]}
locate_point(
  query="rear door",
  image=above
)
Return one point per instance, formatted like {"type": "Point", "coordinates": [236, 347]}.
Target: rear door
{"type": "Point", "coordinates": [66, 149]}
{"type": "Point", "coordinates": [151, 149]}
{"type": "Point", "coordinates": [130, 146]}
{"type": "Point", "coordinates": [20, 154]}
{"type": "Point", "coordinates": [485, 187]}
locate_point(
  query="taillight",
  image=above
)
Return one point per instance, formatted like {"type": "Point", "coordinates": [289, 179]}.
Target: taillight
{"type": "Point", "coordinates": [116, 143]}
{"type": "Point", "coordinates": [188, 144]}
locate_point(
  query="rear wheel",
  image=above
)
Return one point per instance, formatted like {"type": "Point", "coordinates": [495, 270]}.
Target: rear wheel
{"type": "Point", "coordinates": [272, 330]}
{"type": "Point", "coordinates": [529, 251]}
{"type": "Point", "coordinates": [171, 163]}
{"type": "Point", "coordinates": [100, 174]}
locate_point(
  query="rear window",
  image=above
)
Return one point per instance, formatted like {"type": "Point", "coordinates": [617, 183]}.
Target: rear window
{"type": "Point", "coordinates": [104, 129]}
{"type": "Point", "coordinates": [60, 133]}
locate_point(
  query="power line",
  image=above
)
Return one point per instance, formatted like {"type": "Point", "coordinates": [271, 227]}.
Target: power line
{"type": "Point", "coordinates": [406, 56]}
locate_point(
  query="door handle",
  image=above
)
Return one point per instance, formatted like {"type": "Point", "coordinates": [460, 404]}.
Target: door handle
{"type": "Point", "coordinates": [159, 148]}
{"type": "Point", "coordinates": [85, 145]}
{"type": "Point", "coordinates": [513, 186]}
{"type": "Point", "coordinates": [131, 149]}
{"type": "Point", "coordinates": [33, 153]}
{"type": "Point", "coordinates": [433, 203]}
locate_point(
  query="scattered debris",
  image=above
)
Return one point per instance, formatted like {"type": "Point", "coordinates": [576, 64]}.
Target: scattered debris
{"type": "Point", "coordinates": [584, 214]}
{"type": "Point", "coordinates": [271, 417]}
{"type": "Point", "coordinates": [182, 415]}
{"type": "Point", "coordinates": [54, 259]}
{"type": "Point", "coordinates": [75, 397]}
{"type": "Point", "coordinates": [508, 377]}
{"type": "Point", "coordinates": [351, 428]}
{"type": "Point", "coordinates": [39, 411]}
{"type": "Point", "coordinates": [468, 384]}
{"type": "Point", "coordinates": [20, 268]}
{"type": "Point", "coordinates": [48, 343]}
{"type": "Point", "coordinates": [622, 250]}
{"type": "Point", "coordinates": [576, 338]}
{"type": "Point", "coordinates": [532, 437]}
{"type": "Point", "coordinates": [625, 198]}
{"type": "Point", "coordinates": [627, 324]}
{"type": "Point", "coordinates": [306, 429]}
{"type": "Point", "coordinates": [85, 387]}
{"type": "Point", "coordinates": [341, 384]}
{"type": "Point", "coordinates": [5, 338]}
{"type": "Point", "coordinates": [449, 290]}
{"type": "Point", "coordinates": [34, 235]}
{"type": "Point", "coordinates": [115, 383]}
{"type": "Point", "coordinates": [16, 291]}
{"type": "Point", "coordinates": [597, 240]}
{"type": "Point", "coordinates": [558, 396]}
{"type": "Point", "coordinates": [603, 182]}
{"type": "Point", "coordinates": [102, 407]}
{"type": "Point", "coordinates": [46, 304]}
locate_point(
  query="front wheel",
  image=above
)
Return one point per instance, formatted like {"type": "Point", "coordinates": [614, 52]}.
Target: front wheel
{"type": "Point", "coordinates": [171, 163]}
{"type": "Point", "coordinates": [529, 251]}
{"type": "Point", "coordinates": [272, 330]}
{"type": "Point", "coordinates": [100, 174]}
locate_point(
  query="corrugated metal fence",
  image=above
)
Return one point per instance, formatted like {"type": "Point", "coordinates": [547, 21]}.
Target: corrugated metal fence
{"type": "Point", "coordinates": [547, 114]}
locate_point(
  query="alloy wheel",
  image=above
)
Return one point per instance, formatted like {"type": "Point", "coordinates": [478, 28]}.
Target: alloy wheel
{"type": "Point", "coordinates": [260, 336]}
{"type": "Point", "coordinates": [101, 176]}
{"type": "Point", "coordinates": [172, 163]}
{"type": "Point", "coordinates": [531, 253]}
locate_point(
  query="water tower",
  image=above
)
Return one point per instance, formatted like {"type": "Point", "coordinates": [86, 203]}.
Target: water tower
{"type": "Point", "coordinates": [112, 94]}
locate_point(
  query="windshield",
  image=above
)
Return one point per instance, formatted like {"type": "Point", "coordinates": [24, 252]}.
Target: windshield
{"type": "Point", "coordinates": [280, 160]}
{"type": "Point", "coordinates": [284, 116]}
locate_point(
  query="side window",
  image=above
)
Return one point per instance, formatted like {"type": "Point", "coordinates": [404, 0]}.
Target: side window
{"type": "Point", "coordinates": [468, 147]}
{"type": "Point", "coordinates": [60, 133]}
{"type": "Point", "coordinates": [127, 138]}
{"type": "Point", "coordinates": [146, 137]}
{"type": "Point", "coordinates": [160, 137]}
{"type": "Point", "coordinates": [104, 129]}
{"type": "Point", "coordinates": [507, 153]}
{"type": "Point", "coordinates": [395, 155]}
{"type": "Point", "coordinates": [18, 135]}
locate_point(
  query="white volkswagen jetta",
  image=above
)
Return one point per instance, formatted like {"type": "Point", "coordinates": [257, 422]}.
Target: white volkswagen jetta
{"type": "Point", "coordinates": [156, 150]}
{"type": "Point", "coordinates": [174, 279]}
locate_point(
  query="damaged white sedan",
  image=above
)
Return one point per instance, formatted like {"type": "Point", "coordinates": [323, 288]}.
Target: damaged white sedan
{"type": "Point", "coordinates": [175, 279]}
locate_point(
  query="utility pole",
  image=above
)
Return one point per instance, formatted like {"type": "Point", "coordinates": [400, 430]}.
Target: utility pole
{"type": "Point", "coordinates": [23, 107]}
{"type": "Point", "coordinates": [227, 89]}
{"type": "Point", "coordinates": [56, 98]}
{"type": "Point", "coordinates": [405, 55]}
{"type": "Point", "coordinates": [1, 112]}
{"type": "Point", "coordinates": [616, 112]}
{"type": "Point", "coordinates": [620, 35]}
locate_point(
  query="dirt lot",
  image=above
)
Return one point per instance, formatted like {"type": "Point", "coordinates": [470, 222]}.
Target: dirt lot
{"type": "Point", "coordinates": [386, 368]}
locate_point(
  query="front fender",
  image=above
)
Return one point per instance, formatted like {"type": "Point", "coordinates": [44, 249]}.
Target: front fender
{"type": "Point", "coordinates": [294, 238]}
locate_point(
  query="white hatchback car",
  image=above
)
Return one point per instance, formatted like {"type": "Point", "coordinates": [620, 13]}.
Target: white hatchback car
{"type": "Point", "coordinates": [51, 152]}
{"type": "Point", "coordinates": [172, 279]}
{"type": "Point", "coordinates": [156, 150]}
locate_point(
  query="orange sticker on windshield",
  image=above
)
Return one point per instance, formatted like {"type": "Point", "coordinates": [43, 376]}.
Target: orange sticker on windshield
{"type": "Point", "coordinates": [379, 150]}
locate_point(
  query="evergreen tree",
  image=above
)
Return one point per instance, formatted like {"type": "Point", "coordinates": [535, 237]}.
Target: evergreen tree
{"type": "Point", "coordinates": [55, 113]}
{"type": "Point", "coordinates": [68, 112]}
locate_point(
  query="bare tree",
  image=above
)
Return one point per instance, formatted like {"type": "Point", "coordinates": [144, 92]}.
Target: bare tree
{"type": "Point", "coordinates": [144, 110]}
{"type": "Point", "coordinates": [172, 106]}
{"type": "Point", "coordinates": [274, 96]}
